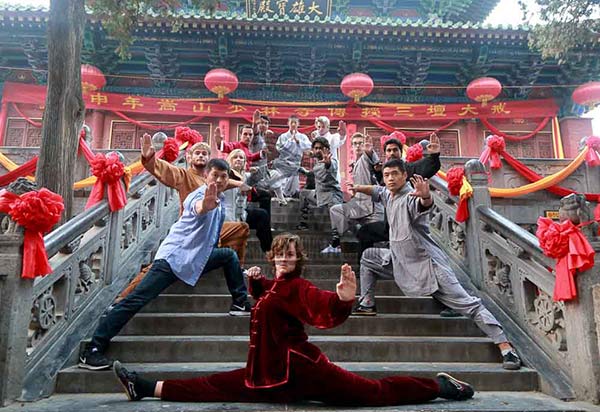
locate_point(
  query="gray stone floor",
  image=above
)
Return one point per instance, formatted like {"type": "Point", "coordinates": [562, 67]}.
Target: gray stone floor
{"type": "Point", "coordinates": [484, 402]}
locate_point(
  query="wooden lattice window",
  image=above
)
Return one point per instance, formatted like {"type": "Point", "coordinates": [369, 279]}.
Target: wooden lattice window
{"type": "Point", "coordinates": [125, 135]}
{"type": "Point", "coordinates": [540, 146]}
{"type": "Point", "coordinates": [19, 133]}
{"type": "Point", "coordinates": [449, 140]}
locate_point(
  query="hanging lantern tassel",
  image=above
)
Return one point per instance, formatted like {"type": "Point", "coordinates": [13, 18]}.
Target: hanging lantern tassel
{"type": "Point", "coordinates": [484, 89]}
{"type": "Point", "coordinates": [357, 86]}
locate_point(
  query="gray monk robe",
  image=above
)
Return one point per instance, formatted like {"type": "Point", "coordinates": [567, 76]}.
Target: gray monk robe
{"type": "Point", "coordinates": [361, 208]}
{"type": "Point", "coordinates": [419, 266]}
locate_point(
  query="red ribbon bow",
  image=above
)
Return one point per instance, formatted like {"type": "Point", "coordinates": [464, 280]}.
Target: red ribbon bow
{"type": "Point", "coordinates": [495, 145]}
{"type": "Point", "coordinates": [455, 179]}
{"type": "Point", "coordinates": [185, 134]}
{"type": "Point", "coordinates": [414, 153]}
{"type": "Point", "coordinates": [564, 242]}
{"type": "Point", "coordinates": [591, 157]}
{"type": "Point", "coordinates": [170, 150]}
{"type": "Point", "coordinates": [109, 170]}
{"type": "Point", "coordinates": [37, 212]}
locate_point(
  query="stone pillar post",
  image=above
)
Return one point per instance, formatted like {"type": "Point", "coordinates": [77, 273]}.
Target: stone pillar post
{"type": "Point", "coordinates": [15, 314]}
{"type": "Point", "coordinates": [476, 174]}
{"type": "Point", "coordinates": [582, 340]}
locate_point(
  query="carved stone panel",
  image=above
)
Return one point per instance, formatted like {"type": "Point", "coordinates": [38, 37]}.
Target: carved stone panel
{"type": "Point", "coordinates": [498, 275]}
{"type": "Point", "coordinates": [547, 317]}
{"type": "Point", "coordinates": [47, 311]}
{"type": "Point", "coordinates": [148, 213]}
{"type": "Point", "coordinates": [129, 231]}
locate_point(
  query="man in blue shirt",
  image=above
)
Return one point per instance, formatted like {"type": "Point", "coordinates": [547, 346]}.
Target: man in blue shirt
{"type": "Point", "coordinates": [188, 251]}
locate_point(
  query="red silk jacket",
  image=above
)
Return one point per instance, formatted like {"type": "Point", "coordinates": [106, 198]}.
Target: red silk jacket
{"type": "Point", "coordinates": [277, 326]}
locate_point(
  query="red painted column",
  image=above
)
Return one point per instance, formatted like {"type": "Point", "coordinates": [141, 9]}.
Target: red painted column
{"type": "Point", "coordinates": [572, 130]}
{"type": "Point", "coordinates": [472, 145]}
{"type": "Point", "coordinates": [97, 125]}
{"type": "Point", "coordinates": [3, 117]}
{"type": "Point", "coordinates": [224, 125]}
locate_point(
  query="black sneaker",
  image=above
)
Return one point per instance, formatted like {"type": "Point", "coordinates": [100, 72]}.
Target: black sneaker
{"type": "Point", "coordinates": [452, 388]}
{"type": "Point", "coordinates": [449, 313]}
{"type": "Point", "coordinates": [94, 360]}
{"type": "Point", "coordinates": [511, 361]}
{"type": "Point", "coordinates": [240, 309]}
{"type": "Point", "coordinates": [361, 310]}
{"type": "Point", "coordinates": [127, 380]}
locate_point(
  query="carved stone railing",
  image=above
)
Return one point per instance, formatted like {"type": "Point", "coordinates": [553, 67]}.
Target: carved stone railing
{"type": "Point", "coordinates": [93, 256]}
{"type": "Point", "coordinates": [506, 266]}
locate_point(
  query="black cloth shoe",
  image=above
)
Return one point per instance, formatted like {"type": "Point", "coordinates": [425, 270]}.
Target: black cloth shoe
{"type": "Point", "coordinates": [302, 226]}
{"type": "Point", "coordinates": [449, 313]}
{"type": "Point", "coordinates": [361, 310]}
{"type": "Point", "coordinates": [240, 309]}
{"type": "Point", "coordinates": [128, 381]}
{"type": "Point", "coordinates": [452, 388]}
{"type": "Point", "coordinates": [94, 360]}
{"type": "Point", "coordinates": [511, 361]}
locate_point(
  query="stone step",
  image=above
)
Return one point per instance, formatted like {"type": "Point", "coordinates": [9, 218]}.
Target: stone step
{"type": "Point", "coordinates": [483, 376]}
{"type": "Point", "coordinates": [210, 285]}
{"type": "Point", "coordinates": [311, 272]}
{"type": "Point", "coordinates": [117, 402]}
{"type": "Point", "coordinates": [204, 303]}
{"type": "Point", "coordinates": [175, 324]}
{"type": "Point", "coordinates": [234, 348]}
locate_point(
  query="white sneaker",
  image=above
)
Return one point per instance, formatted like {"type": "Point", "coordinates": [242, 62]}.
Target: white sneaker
{"type": "Point", "coordinates": [331, 249]}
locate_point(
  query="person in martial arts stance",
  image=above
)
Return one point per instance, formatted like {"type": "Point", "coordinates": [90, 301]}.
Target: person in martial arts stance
{"type": "Point", "coordinates": [327, 190]}
{"type": "Point", "coordinates": [360, 209]}
{"type": "Point", "coordinates": [418, 265]}
{"type": "Point", "coordinates": [282, 365]}
{"type": "Point", "coordinates": [291, 145]}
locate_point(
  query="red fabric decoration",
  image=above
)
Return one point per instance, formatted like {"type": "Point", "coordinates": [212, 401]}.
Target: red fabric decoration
{"type": "Point", "coordinates": [564, 242]}
{"type": "Point", "coordinates": [109, 170]}
{"type": "Point", "coordinates": [592, 158]}
{"type": "Point", "coordinates": [170, 150]}
{"type": "Point", "coordinates": [84, 148]}
{"type": "Point", "coordinates": [498, 132]}
{"type": "Point", "coordinates": [25, 169]}
{"type": "Point", "coordinates": [398, 136]}
{"type": "Point", "coordinates": [154, 126]}
{"type": "Point", "coordinates": [185, 134]}
{"type": "Point", "coordinates": [494, 148]}
{"type": "Point", "coordinates": [454, 177]}
{"type": "Point", "coordinates": [462, 211]}
{"type": "Point", "coordinates": [414, 153]}
{"type": "Point", "coordinates": [27, 119]}
{"type": "Point", "coordinates": [37, 212]}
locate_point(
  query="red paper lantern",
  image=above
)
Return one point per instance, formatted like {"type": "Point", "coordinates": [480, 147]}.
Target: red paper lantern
{"type": "Point", "coordinates": [484, 89]}
{"type": "Point", "coordinates": [587, 94]}
{"type": "Point", "coordinates": [92, 79]}
{"type": "Point", "coordinates": [221, 82]}
{"type": "Point", "coordinates": [357, 86]}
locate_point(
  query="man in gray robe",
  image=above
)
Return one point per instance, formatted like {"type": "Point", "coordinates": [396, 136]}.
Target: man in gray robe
{"type": "Point", "coordinates": [327, 190]}
{"type": "Point", "coordinates": [360, 209]}
{"type": "Point", "coordinates": [418, 265]}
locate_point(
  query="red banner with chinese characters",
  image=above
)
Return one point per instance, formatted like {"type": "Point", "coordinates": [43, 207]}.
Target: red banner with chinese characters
{"type": "Point", "coordinates": [34, 94]}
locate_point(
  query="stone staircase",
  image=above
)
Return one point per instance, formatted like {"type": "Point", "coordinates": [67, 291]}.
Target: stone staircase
{"type": "Point", "coordinates": [187, 332]}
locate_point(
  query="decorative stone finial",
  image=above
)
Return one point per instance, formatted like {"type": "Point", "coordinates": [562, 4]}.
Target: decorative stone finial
{"type": "Point", "coordinates": [158, 140]}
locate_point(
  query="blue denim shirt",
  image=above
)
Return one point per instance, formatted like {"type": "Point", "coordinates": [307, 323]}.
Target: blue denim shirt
{"type": "Point", "coordinates": [192, 238]}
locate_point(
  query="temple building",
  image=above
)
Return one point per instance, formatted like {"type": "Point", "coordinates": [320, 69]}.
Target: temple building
{"type": "Point", "coordinates": [290, 56]}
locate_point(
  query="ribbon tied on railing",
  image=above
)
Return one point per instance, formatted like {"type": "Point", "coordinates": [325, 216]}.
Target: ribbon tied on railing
{"type": "Point", "coordinates": [494, 147]}
{"type": "Point", "coordinates": [592, 157]}
{"type": "Point", "coordinates": [564, 242]}
{"type": "Point", "coordinates": [458, 185]}
{"type": "Point", "coordinates": [187, 135]}
{"type": "Point", "coordinates": [414, 153]}
{"type": "Point", "coordinates": [37, 212]}
{"type": "Point", "coordinates": [109, 170]}
{"type": "Point", "coordinates": [170, 150]}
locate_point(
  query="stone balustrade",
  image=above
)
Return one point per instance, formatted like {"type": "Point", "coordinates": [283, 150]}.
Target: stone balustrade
{"type": "Point", "coordinates": [93, 256]}
{"type": "Point", "coordinates": [505, 264]}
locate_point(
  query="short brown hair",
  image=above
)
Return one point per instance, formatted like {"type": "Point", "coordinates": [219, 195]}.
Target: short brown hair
{"type": "Point", "coordinates": [199, 145]}
{"type": "Point", "coordinates": [281, 243]}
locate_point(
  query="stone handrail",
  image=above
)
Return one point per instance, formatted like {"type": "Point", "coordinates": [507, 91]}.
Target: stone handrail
{"type": "Point", "coordinates": [93, 256]}
{"type": "Point", "coordinates": [505, 265]}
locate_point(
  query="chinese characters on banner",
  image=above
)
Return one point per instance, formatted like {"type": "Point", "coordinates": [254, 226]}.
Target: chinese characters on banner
{"type": "Point", "coordinates": [290, 8]}
{"type": "Point", "coordinates": [35, 95]}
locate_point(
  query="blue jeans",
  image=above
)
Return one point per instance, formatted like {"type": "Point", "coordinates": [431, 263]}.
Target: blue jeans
{"type": "Point", "coordinates": [159, 277]}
